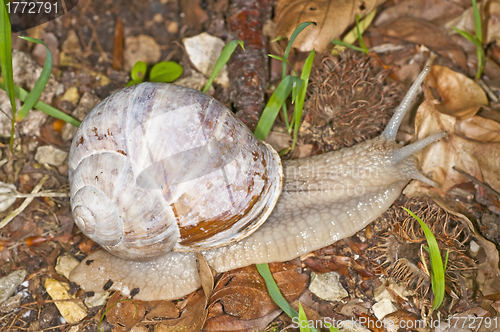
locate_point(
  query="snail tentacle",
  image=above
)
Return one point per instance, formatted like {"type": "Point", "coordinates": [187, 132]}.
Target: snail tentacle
{"type": "Point", "coordinates": [393, 126]}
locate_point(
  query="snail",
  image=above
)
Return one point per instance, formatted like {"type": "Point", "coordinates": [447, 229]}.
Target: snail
{"type": "Point", "coordinates": [159, 172]}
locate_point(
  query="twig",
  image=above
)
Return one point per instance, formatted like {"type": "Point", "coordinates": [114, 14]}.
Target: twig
{"type": "Point", "coordinates": [40, 194]}
{"type": "Point", "coordinates": [26, 202]}
{"type": "Point", "coordinates": [478, 182]}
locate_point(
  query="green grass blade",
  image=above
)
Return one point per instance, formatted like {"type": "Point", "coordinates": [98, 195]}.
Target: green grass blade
{"type": "Point", "coordinates": [277, 57]}
{"type": "Point", "coordinates": [294, 35]}
{"type": "Point", "coordinates": [352, 35]}
{"type": "Point", "coordinates": [165, 72]}
{"type": "Point", "coordinates": [341, 43]}
{"type": "Point", "coordinates": [273, 106]}
{"type": "Point", "coordinates": [299, 104]}
{"type": "Point", "coordinates": [6, 62]}
{"type": "Point", "coordinates": [303, 320]}
{"type": "Point", "coordinates": [468, 36]}
{"type": "Point", "coordinates": [47, 109]}
{"type": "Point", "coordinates": [226, 53]}
{"type": "Point", "coordinates": [274, 290]}
{"type": "Point", "coordinates": [477, 22]}
{"type": "Point", "coordinates": [41, 82]}
{"type": "Point", "coordinates": [437, 275]}
{"type": "Point", "coordinates": [360, 36]}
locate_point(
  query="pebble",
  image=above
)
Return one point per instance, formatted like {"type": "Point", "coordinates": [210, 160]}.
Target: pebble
{"type": "Point", "coordinates": [50, 155]}
{"type": "Point", "coordinates": [327, 286]}
{"type": "Point", "coordinates": [141, 48]}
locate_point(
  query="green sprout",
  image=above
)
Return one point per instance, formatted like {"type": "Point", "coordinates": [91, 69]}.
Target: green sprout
{"type": "Point", "coordinates": [163, 72]}
{"type": "Point", "coordinates": [224, 56]}
{"type": "Point", "coordinates": [437, 268]}
{"type": "Point", "coordinates": [357, 34]}
{"type": "Point", "coordinates": [30, 99]}
{"type": "Point", "coordinates": [477, 40]}
{"type": "Point", "coordinates": [289, 84]}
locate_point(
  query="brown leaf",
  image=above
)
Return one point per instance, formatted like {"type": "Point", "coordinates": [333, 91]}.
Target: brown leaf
{"type": "Point", "coordinates": [231, 323]}
{"type": "Point", "coordinates": [195, 16]}
{"type": "Point", "coordinates": [118, 45]}
{"type": "Point", "coordinates": [245, 302]}
{"type": "Point", "coordinates": [126, 313]}
{"type": "Point", "coordinates": [163, 309]}
{"type": "Point", "coordinates": [332, 17]}
{"type": "Point", "coordinates": [418, 31]}
{"type": "Point", "coordinates": [477, 158]}
{"type": "Point", "coordinates": [457, 94]}
{"type": "Point", "coordinates": [206, 275]}
{"type": "Point", "coordinates": [429, 10]}
{"type": "Point", "coordinates": [192, 318]}
{"type": "Point", "coordinates": [243, 292]}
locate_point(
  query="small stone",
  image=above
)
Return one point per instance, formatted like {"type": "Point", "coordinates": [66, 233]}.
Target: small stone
{"type": "Point", "coordinates": [65, 264]}
{"type": "Point", "coordinates": [474, 247]}
{"type": "Point", "coordinates": [158, 18]}
{"type": "Point", "coordinates": [203, 51]}
{"type": "Point", "coordinates": [196, 81]}
{"type": "Point", "coordinates": [97, 300]}
{"type": "Point", "coordinates": [141, 48]}
{"type": "Point", "coordinates": [172, 27]}
{"type": "Point", "coordinates": [11, 303]}
{"type": "Point", "coordinates": [48, 154]}
{"type": "Point", "coordinates": [327, 286]}
{"type": "Point", "coordinates": [71, 95]}
{"type": "Point", "coordinates": [383, 308]}
{"type": "Point", "coordinates": [87, 103]}
{"type": "Point", "coordinates": [6, 201]}
{"type": "Point", "coordinates": [10, 282]}
{"type": "Point", "coordinates": [72, 43]}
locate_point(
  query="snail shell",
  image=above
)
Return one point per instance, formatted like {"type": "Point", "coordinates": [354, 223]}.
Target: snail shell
{"type": "Point", "coordinates": [159, 167]}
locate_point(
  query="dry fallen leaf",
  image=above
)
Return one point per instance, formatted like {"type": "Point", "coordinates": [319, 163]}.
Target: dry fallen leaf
{"type": "Point", "coordinates": [419, 31]}
{"type": "Point", "coordinates": [243, 294]}
{"type": "Point", "coordinates": [73, 312]}
{"type": "Point", "coordinates": [491, 13]}
{"type": "Point", "coordinates": [457, 94]}
{"type": "Point", "coordinates": [125, 314]}
{"type": "Point", "coordinates": [332, 17]}
{"type": "Point", "coordinates": [429, 10]}
{"type": "Point", "coordinates": [193, 315]}
{"type": "Point", "coordinates": [462, 149]}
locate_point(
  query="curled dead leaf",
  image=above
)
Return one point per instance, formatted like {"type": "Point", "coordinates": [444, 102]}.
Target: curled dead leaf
{"type": "Point", "coordinates": [455, 94]}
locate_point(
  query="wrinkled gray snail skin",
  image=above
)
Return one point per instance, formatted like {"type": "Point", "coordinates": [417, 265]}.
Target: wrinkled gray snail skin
{"type": "Point", "coordinates": [129, 193]}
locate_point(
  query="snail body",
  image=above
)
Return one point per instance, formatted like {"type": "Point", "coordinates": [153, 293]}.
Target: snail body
{"type": "Point", "coordinates": [324, 199]}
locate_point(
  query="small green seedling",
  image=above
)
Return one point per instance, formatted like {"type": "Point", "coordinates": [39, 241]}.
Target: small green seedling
{"type": "Point", "coordinates": [477, 40]}
{"type": "Point", "coordinates": [163, 72]}
{"type": "Point", "coordinates": [7, 82]}
{"type": "Point", "coordinates": [437, 268]}
{"type": "Point", "coordinates": [104, 314]}
{"type": "Point", "coordinates": [289, 84]}
{"type": "Point", "coordinates": [357, 34]}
